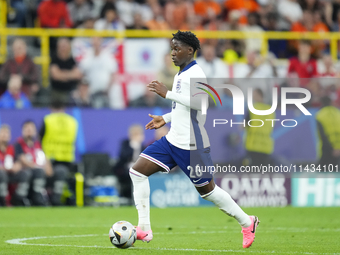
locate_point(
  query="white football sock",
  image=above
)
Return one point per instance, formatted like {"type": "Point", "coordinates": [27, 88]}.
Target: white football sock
{"type": "Point", "coordinates": [227, 205]}
{"type": "Point", "coordinates": [141, 194]}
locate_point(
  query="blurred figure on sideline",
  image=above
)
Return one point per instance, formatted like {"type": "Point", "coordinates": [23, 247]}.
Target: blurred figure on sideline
{"type": "Point", "coordinates": [129, 152]}
{"type": "Point", "coordinates": [258, 143]}
{"type": "Point", "coordinates": [58, 136]}
{"type": "Point", "coordinates": [21, 64]}
{"type": "Point", "coordinates": [328, 123]}
{"type": "Point", "coordinates": [12, 171]}
{"type": "Point", "coordinates": [13, 98]}
{"type": "Point", "coordinates": [9, 169]}
{"type": "Point", "coordinates": [29, 153]}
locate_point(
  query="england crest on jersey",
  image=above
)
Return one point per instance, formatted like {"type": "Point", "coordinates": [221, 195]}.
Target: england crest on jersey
{"type": "Point", "coordinates": [178, 86]}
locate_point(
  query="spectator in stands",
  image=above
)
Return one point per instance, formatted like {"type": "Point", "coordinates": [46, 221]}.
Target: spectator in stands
{"type": "Point", "coordinates": [290, 11]}
{"type": "Point", "coordinates": [256, 67]}
{"type": "Point", "coordinates": [29, 153]}
{"type": "Point", "coordinates": [166, 75]}
{"type": "Point", "coordinates": [100, 69]}
{"type": "Point", "coordinates": [253, 44]}
{"type": "Point", "coordinates": [54, 14]}
{"type": "Point", "coordinates": [138, 22]}
{"type": "Point", "coordinates": [79, 11]}
{"type": "Point", "coordinates": [128, 154]}
{"type": "Point", "coordinates": [20, 11]}
{"type": "Point", "coordinates": [311, 5]}
{"type": "Point", "coordinates": [65, 74]}
{"type": "Point", "coordinates": [11, 171]}
{"type": "Point", "coordinates": [178, 12]}
{"type": "Point", "coordinates": [14, 98]}
{"type": "Point", "coordinates": [207, 9]}
{"type": "Point", "coordinates": [157, 22]}
{"type": "Point", "coordinates": [126, 9]}
{"type": "Point", "coordinates": [244, 6]}
{"type": "Point", "coordinates": [7, 164]}
{"type": "Point", "coordinates": [305, 24]}
{"type": "Point", "coordinates": [150, 99]}
{"type": "Point", "coordinates": [277, 47]}
{"type": "Point", "coordinates": [212, 66]}
{"type": "Point", "coordinates": [336, 24]}
{"type": "Point", "coordinates": [329, 69]}
{"type": "Point", "coordinates": [87, 24]}
{"type": "Point", "coordinates": [303, 65]}
{"type": "Point", "coordinates": [110, 21]}
{"type": "Point", "coordinates": [81, 96]}
{"type": "Point", "coordinates": [58, 136]}
{"type": "Point", "coordinates": [21, 64]}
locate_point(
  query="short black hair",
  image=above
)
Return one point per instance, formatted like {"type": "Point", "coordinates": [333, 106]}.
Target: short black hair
{"type": "Point", "coordinates": [57, 103]}
{"type": "Point", "coordinates": [188, 38]}
{"type": "Point", "coordinates": [29, 121]}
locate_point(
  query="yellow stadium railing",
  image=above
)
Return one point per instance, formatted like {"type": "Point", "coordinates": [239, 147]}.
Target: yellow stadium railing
{"type": "Point", "coordinates": [45, 34]}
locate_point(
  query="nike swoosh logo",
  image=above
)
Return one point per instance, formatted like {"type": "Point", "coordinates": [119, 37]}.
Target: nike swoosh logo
{"type": "Point", "coordinates": [255, 221]}
{"type": "Point", "coordinates": [196, 180]}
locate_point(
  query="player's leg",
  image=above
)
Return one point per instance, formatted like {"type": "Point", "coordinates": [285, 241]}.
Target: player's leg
{"type": "Point", "coordinates": [200, 172]}
{"type": "Point", "coordinates": [153, 159]}
{"type": "Point", "coordinates": [226, 204]}
{"type": "Point", "coordinates": [139, 174]}
{"type": "Point", "coordinates": [3, 187]}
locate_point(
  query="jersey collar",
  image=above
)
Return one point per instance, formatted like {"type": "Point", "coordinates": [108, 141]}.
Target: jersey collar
{"type": "Point", "coordinates": [192, 63]}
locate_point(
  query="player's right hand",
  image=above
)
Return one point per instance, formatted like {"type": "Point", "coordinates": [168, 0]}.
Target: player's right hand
{"type": "Point", "coordinates": [156, 122]}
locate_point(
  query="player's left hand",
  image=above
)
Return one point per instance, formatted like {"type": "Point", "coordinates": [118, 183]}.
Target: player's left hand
{"type": "Point", "coordinates": [158, 87]}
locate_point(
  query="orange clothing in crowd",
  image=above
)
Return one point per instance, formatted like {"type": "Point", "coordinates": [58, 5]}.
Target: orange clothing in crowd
{"type": "Point", "coordinates": [157, 25]}
{"type": "Point", "coordinates": [202, 8]}
{"type": "Point", "coordinates": [317, 44]}
{"type": "Point", "coordinates": [245, 6]}
{"type": "Point", "coordinates": [54, 14]}
{"type": "Point", "coordinates": [178, 14]}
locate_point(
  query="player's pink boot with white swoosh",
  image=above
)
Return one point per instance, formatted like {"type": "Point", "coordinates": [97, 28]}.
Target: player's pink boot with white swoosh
{"type": "Point", "coordinates": [249, 232]}
{"type": "Point", "coordinates": [145, 236]}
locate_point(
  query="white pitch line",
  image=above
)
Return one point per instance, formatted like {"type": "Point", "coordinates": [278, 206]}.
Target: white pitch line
{"type": "Point", "coordinates": [21, 241]}
{"type": "Point", "coordinates": [203, 229]}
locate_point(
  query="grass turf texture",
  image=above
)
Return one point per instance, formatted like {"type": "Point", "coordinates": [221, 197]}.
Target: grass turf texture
{"type": "Point", "coordinates": [176, 231]}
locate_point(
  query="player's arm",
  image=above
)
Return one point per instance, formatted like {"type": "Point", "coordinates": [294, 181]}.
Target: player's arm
{"type": "Point", "coordinates": [189, 101]}
{"type": "Point", "coordinates": [156, 122]}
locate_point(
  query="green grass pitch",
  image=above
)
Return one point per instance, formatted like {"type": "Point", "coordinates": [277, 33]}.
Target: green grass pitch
{"type": "Point", "coordinates": [202, 230]}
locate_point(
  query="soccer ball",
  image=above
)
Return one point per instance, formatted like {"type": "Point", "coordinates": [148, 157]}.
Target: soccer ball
{"type": "Point", "coordinates": [123, 234]}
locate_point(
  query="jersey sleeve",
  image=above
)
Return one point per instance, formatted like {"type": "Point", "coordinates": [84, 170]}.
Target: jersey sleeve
{"type": "Point", "coordinates": [167, 117]}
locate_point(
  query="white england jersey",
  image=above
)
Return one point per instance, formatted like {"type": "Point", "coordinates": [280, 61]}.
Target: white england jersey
{"type": "Point", "coordinates": [187, 122]}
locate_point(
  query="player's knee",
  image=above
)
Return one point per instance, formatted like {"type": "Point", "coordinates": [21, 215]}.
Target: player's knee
{"type": "Point", "coordinates": [136, 176]}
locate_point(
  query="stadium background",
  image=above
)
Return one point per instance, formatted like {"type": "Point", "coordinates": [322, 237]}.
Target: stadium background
{"type": "Point", "coordinates": [139, 52]}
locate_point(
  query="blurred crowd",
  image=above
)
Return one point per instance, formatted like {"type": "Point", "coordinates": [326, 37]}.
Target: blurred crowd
{"type": "Point", "coordinates": [90, 82]}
